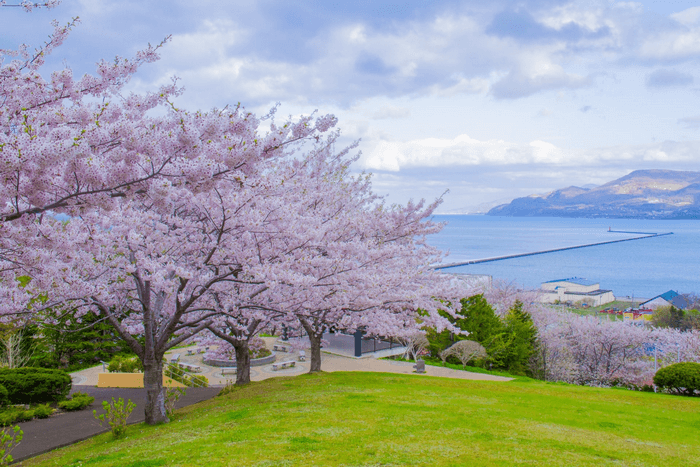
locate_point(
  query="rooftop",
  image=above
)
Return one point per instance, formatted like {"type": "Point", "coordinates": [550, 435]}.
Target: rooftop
{"type": "Point", "coordinates": [574, 280]}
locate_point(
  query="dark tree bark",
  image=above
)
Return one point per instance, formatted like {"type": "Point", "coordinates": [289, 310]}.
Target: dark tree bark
{"type": "Point", "coordinates": [242, 362]}
{"type": "Point", "coordinates": [155, 392]}
{"type": "Point", "coordinates": [240, 342]}
{"type": "Point", "coordinates": [315, 333]}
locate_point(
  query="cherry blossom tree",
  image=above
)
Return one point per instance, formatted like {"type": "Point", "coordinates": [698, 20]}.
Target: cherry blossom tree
{"type": "Point", "coordinates": [153, 264]}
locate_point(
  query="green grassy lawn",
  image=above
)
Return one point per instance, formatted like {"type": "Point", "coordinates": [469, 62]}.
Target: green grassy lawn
{"type": "Point", "coordinates": [353, 419]}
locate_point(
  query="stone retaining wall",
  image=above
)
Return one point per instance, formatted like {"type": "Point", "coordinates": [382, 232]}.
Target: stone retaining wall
{"type": "Point", "coordinates": [232, 363]}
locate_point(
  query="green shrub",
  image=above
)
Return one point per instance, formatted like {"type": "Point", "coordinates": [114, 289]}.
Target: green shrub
{"type": "Point", "coordinates": [9, 416]}
{"type": "Point", "coordinates": [116, 415]}
{"type": "Point", "coordinates": [172, 395]}
{"type": "Point", "coordinates": [175, 373]}
{"type": "Point", "coordinates": [4, 399]}
{"type": "Point", "coordinates": [79, 401]}
{"type": "Point", "coordinates": [35, 385]}
{"type": "Point", "coordinates": [24, 415]}
{"type": "Point", "coordinates": [679, 378]}
{"type": "Point", "coordinates": [43, 411]}
{"type": "Point", "coordinates": [197, 381]}
{"type": "Point", "coordinates": [9, 438]}
{"type": "Point", "coordinates": [122, 364]}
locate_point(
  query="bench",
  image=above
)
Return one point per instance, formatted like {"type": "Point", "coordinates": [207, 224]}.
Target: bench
{"type": "Point", "coordinates": [175, 358]}
{"type": "Point", "coordinates": [281, 365]}
{"type": "Point", "coordinates": [189, 367]}
{"type": "Point", "coordinates": [302, 356]}
{"type": "Point", "coordinates": [190, 352]}
{"type": "Point", "coordinates": [279, 348]}
{"type": "Point", "coordinates": [228, 369]}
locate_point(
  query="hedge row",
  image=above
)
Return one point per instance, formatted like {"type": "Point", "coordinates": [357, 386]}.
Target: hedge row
{"type": "Point", "coordinates": [34, 385]}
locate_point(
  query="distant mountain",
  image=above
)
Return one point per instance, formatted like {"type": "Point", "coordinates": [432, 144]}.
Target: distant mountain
{"type": "Point", "coordinates": [647, 194]}
{"type": "Point", "coordinates": [482, 208]}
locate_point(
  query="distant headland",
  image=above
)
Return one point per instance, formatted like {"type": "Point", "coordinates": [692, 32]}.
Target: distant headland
{"type": "Point", "coordinates": [643, 194]}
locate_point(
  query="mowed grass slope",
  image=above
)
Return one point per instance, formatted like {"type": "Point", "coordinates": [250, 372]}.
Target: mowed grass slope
{"type": "Point", "coordinates": [384, 419]}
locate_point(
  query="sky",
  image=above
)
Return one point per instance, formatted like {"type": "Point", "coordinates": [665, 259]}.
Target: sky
{"type": "Point", "coordinates": [477, 102]}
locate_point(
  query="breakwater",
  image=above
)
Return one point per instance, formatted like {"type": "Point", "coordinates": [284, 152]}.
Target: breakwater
{"type": "Point", "coordinates": [541, 252]}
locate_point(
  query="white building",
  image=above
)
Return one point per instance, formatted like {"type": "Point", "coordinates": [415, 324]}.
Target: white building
{"type": "Point", "coordinates": [575, 289]}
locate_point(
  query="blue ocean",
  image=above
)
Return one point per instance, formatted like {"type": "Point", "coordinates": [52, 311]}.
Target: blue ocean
{"type": "Point", "coordinates": [640, 268]}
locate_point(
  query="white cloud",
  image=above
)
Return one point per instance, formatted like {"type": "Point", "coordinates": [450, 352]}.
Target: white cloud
{"type": "Point", "coordinates": [688, 17]}
{"type": "Point", "coordinates": [391, 112]}
{"type": "Point", "coordinates": [466, 151]}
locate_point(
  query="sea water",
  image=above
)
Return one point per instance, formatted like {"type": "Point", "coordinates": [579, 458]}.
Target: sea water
{"type": "Point", "coordinates": [639, 268]}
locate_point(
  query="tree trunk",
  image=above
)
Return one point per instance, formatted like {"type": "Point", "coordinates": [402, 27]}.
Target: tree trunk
{"type": "Point", "coordinates": [155, 392]}
{"type": "Point", "coordinates": [242, 362]}
{"type": "Point", "coordinates": [315, 365]}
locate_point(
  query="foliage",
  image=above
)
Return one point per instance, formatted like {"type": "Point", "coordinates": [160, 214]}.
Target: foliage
{"type": "Point", "coordinates": [465, 351]}
{"type": "Point", "coordinates": [43, 411]}
{"type": "Point", "coordinates": [593, 351]}
{"type": "Point", "coordinates": [672, 317]}
{"type": "Point", "coordinates": [75, 342]}
{"type": "Point", "coordinates": [508, 341]}
{"type": "Point", "coordinates": [498, 423]}
{"type": "Point", "coordinates": [116, 414]}
{"type": "Point", "coordinates": [181, 220]}
{"type": "Point", "coordinates": [182, 376]}
{"type": "Point", "coordinates": [521, 336]}
{"type": "Point", "coordinates": [4, 399]}
{"type": "Point", "coordinates": [679, 378]}
{"type": "Point", "coordinates": [35, 385]}
{"type": "Point", "coordinates": [199, 381]}
{"type": "Point", "coordinates": [9, 439]}
{"type": "Point", "coordinates": [228, 388]}
{"type": "Point", "coordinates": [172, 395]}
{"type": "Point", "coordinates": [123, 364]}
{"type": "Point", "coordinates": [78, 401]}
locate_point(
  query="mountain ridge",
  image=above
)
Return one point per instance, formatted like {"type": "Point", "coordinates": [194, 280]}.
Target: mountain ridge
{"type": "Point", "coordinates": [643, 194]}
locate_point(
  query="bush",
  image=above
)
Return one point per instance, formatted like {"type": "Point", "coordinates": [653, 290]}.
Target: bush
{"type": "Point", "coordinates": [4, 399]}
{"type": "Point", "coordinates": [79, 401]}
{"type": "Point", "coordinates": [122, 364]}
{"type": "Point", "coordinates": [116, 415]}
{"type": "Point", "coordinates": [172, 395]}
{"type": "Point", "coordinates": [175, 373]}
{"type": "Point", "coordinates": [9, 438]}
{"type": "Point", "coordinates": [35, 385]}
{"type": "Point", "coordinates": [9, 416]}
{"type": "Point", "coordinates": [679, 378]}
{"type": "Point", "coordinates": [43, 411]}
{"type": "Point", "coordinates": [197, 381]}
{"type": "Point", "coordinates": [24, 415]}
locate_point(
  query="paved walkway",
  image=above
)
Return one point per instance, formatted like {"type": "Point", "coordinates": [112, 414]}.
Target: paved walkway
{"type": "Point", "coordinates": [329, 363]}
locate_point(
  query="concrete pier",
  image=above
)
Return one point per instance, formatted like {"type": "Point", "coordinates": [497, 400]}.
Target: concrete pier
{"type": "Point", "coordinates": [541, 252]}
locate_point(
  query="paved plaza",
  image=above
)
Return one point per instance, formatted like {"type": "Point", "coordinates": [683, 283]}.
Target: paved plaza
{"type": "Point", "coordinates": [329, 363]}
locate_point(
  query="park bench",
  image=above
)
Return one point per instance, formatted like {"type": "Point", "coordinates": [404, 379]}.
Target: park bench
{"type": "Point", "coordinates": [228, 369]}
{"type": "Point", "coordinates": [189, 367]}
{"type": "Point", "coordinates": [175, 358]}
{"type": "Point", "coordinates": [302, 356]}
{"type": "Point", "coordinates": [281, 365]}
{"type": "Point", "coordinates": [279, 348]}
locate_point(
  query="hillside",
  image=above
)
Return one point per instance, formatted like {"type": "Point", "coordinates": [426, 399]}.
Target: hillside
{"type": "Point", "coordinates": [353, 418]}
{"type": "Point", "coordinates": [647, 194]}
